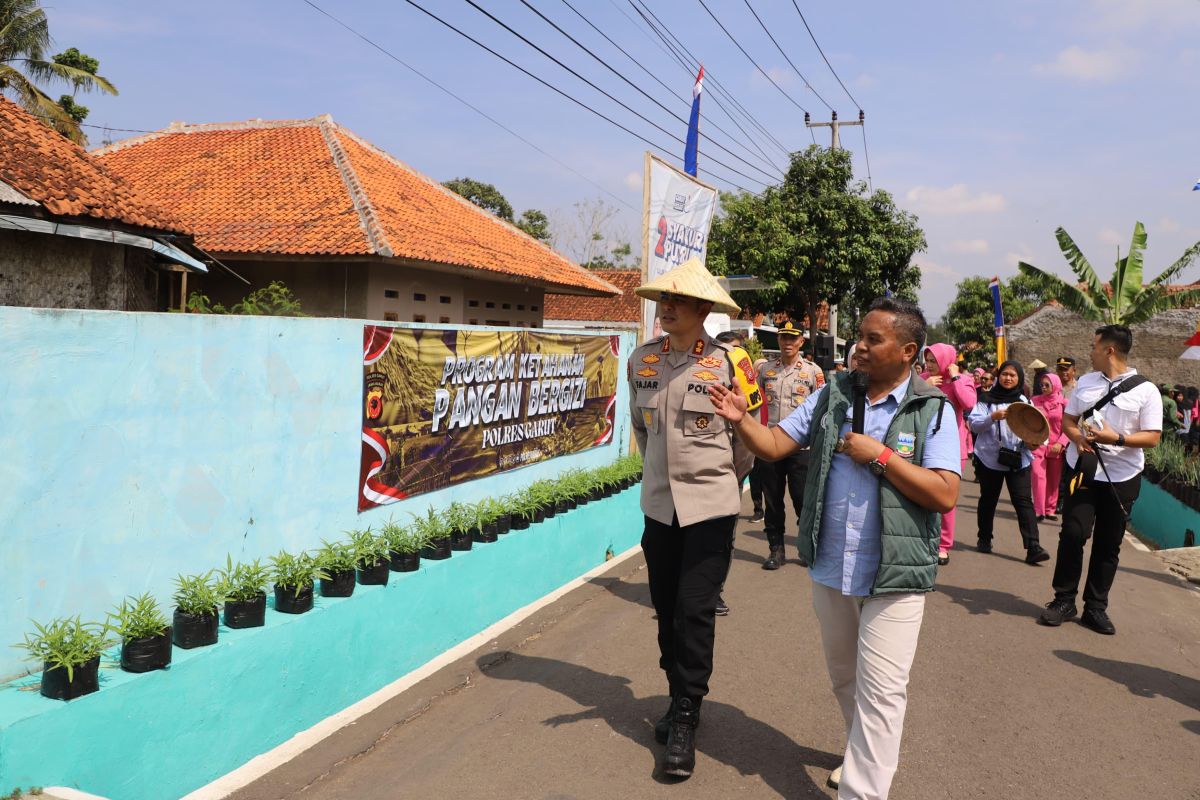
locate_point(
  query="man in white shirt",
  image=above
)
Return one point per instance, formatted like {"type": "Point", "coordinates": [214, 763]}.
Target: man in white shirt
{"type": "Point", "coordinates": [1116, 433]}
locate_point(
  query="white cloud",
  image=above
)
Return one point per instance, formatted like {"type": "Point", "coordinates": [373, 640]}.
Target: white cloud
{"type": "Point", "coordinates": [864, 81]}
{"type": "Point", "coordinates": [956, 199]}
{"type": "Point", "coordinates": [633, 181]}
{"type": "Point", "coordinates": [930, 267]}
{"type": "Point", "coordinates": [1090, 65]}
{"type": "Point", "coordinates": [1011, 259]}
{"type": "Point", "coordinates": [1124, 16]}
{"type": "Point", "coordinates": [1111, 238]}
{"type": "Point", "coordinates": [1167, 225]}
{"type": "Point", "coordinates": [971, 246]}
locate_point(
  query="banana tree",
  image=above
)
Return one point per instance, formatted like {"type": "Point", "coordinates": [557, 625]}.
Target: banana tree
{"type": "Point", "coordinates": [1125, 300]}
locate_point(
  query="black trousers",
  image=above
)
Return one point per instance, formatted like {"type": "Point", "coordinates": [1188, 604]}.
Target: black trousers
{"type": "Point", "coordinates": [1095, 507]}
{"type": "Point", "coordinates": [1020, 492]}
{"type": "Point", "coordinates": [756, 489]}
{"type": "Point", "coordinates": [686, 567]}
{"type": "Point", "coordinates": [792, 472]}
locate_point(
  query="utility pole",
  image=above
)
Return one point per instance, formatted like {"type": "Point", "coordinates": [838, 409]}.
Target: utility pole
{"type": "Point", "coordinates": [836, 144]}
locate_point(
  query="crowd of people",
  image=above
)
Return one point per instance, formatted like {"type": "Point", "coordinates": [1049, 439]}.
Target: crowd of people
{"type": "Point", "coordinates": [871, 456]}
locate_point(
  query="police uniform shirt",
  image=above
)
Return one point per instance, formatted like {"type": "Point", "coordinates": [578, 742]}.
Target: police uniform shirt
{"type": "Point", "coordinates": [692, 462]}
{"type": "Point", "coordinates": [786, 388]}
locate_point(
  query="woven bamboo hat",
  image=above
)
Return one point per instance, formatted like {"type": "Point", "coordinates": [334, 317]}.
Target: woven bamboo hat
{"type": "Point", "coordinates": [690, 279]}
{"type": "Point", "coordinates": [1029, 424]}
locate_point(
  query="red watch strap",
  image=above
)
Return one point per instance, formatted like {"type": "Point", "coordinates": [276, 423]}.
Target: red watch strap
{"type": "Point", "coordinates": [885, 455]}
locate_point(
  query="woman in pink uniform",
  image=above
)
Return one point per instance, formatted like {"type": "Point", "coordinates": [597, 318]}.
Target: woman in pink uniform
{"type": "Point", "coordinates": [960, 389]}
{"type": "Point", "coordinates": [1048, 459]}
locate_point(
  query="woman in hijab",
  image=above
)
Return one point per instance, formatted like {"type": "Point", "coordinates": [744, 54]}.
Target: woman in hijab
{"type": "Point", "coordinates": [1048, 459]}
{"type": "Point", "coordinates": [943, 372]}
{"type": "Point", "coordinates": [1002, 458]}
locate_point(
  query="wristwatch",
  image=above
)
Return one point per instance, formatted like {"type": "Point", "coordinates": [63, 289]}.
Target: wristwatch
{"type": "Point", "coordinates": [879, 465]}
{"type": "Point", "coordinates": [1120, 442]}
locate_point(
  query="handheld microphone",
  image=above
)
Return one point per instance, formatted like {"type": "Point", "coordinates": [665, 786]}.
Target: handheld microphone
{"type": "Point", "coordinates": [858, 382]}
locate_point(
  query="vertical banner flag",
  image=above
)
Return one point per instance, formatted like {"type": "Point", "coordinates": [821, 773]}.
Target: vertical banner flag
{"type": "Point", "coordinates": [1001, 349]}
{"type": "Point", "coordinates": [677, 213]}
{"type": "Point", "coordinates": [692, 148]}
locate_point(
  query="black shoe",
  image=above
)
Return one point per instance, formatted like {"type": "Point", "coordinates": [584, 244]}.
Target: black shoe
{"type": "Point", "coordinates": [1057, 612]}
{"type": "Point", "coordinates": [1097, 619]}
{"type": "Point", "coordinates": [1051, 518]}
{"type": "Point", "coordinates": [943, 559]}
{"type": "Point", "coordinates": [1041, 517]}
{"type": "Point", "coordinates": [722, 609]}
{"type": "Point", "coordinates": [775, 560]}
{"type": "Point", "coordinates": [680, 758]}
{"type": "Point", "coordinates": [984, 546]}
{"type": "Point", "coordinates": [757, 516]}
{"type": "Point", "coordinates": [663, 726]}
{"type": "Point", "coordinates": [1036, 555]}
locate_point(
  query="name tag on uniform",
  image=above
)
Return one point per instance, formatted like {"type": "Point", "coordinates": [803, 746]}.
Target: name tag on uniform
{"type": "Point", "coordinates": [906, 444]}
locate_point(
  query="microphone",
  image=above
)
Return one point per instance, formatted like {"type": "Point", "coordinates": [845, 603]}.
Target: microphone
{"type": "Point", "coordinates": [858, 382]}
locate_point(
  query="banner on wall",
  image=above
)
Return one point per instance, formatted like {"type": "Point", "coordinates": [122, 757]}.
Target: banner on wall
{"type": "Point", "coordinates": [444, 406]}
{"type": "Point", "coordinates": [677, 216]}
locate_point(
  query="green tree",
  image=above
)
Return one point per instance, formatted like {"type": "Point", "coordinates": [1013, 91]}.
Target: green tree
{"type": "Point", "coordinates": [484, 195]}
{"type": "Point", "coordinates": [817, 236]}
{"type": "Point", "coordinates": [1125, 300]}
{"type": "Point", "coordinates": [24, 40]}
{"type": "Point", "coordinates": [273, 300]}
{"type": "Point", "coordinates": [970, 319]}
{"type": "Point", "coordinates": [536, 224]}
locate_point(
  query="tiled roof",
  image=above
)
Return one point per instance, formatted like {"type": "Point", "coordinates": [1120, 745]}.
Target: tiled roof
{"type": "Point", "coordinates": [311, 187]}
{"type": "Point", "coordinates": [623, 308]}
{"type": "Point", "coordinates": [56, 173]}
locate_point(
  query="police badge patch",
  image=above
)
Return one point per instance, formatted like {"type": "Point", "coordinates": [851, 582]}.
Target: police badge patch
{"type": "Point", "coordinates": [905, 445]}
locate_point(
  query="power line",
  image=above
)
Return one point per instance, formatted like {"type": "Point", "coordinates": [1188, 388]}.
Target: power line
{"type": "Point", "coordinates": [551, 86]}
{"type": "Point", "coordinates": [785, 55]}
{"type": "Point", "coordinates": [867, 157]}
{"type": "Point", "coordinates": [639, 89]}
{"type": "Point", "coordinates": [89, 125]}
{"type": "Point", "coordinates": [822, 52]}
{"type": "Point", "coordinates": [663, 31]}
{"type": "Point", "coordinates": [707, 118]}
{"type": "Point", "coordinates": [751, 58]}
{"type": "Point", "coordinates": [481, 113]}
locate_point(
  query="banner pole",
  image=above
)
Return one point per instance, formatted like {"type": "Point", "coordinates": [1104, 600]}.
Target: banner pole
{"type": "Point", "coordinates": [645, 304]}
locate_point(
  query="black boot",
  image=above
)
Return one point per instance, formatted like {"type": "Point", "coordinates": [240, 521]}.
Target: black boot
{"type": "Point", "coordinates": [663, 726]}
{"type": "Point", "coordinates": [680, 758]}
{"type": "Point", "coordinates": [776, 559]}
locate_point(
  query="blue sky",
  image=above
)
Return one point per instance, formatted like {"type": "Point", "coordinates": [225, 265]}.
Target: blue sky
{"type": "Point", "coordinates": [993, 122]}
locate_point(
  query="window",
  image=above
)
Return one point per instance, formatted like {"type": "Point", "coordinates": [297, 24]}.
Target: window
{"type": "Point", "coordinates": [419, 297]}
{"type": "Point", "coordinates": [445, 299]}
{"type": "Point", "coordinates": [533, 308]}
{"type": "Point", "coordinates": [520, 306]}
{"type": "Point", "coordinates": [392, 293]}
{"type": "Point", "coordinates": [498, 322]}
{"type": "Point", "coordinates": [444, 320]}
{"type": "Point", "coordinates": [391, 316]}
{"type": "Point", "coordinates": [418, 317]}
{"type": "Point", "coordinates": [506, 306]}
{"type": "Point", "coordinates": [473, 303]}
{"type": "Point", "coordinates": [472, 321]}
{"type": "Point", "coordinates": [490, 304]}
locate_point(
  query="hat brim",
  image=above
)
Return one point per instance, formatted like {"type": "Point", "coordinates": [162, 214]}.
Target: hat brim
{"type": "Point", "coordinates": [654, 294]}
{"type": "Point", "coordinates": [1029, 424]}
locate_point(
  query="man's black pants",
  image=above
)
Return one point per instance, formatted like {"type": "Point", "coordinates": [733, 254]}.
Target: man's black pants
{"type": "Point", "coordinates": [1020, 492]}
{"type": "Point", "coordinates": [686, 567]}
{"type": "Point", "coordinates": [1093, 507]}
{"type": "Point", "coordinates": [792, 471]}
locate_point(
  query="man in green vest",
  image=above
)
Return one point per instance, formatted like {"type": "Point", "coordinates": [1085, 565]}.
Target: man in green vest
{"type": "Point", "coordinates": [870, 525]}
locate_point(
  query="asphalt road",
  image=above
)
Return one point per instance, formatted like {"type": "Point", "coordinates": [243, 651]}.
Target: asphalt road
{"type": "Point", "coordinates": [562, 706]}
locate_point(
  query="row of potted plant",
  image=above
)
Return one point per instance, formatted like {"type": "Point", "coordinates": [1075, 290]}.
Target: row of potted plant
{"type": "Point", "coordinates": [70, 649]}
{"type": "Point", "coordinates": [1175, 470]}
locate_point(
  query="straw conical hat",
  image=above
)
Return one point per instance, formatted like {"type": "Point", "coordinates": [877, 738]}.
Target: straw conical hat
{"type": "Point", "coordinates": [1028, 423]}
{"type": "Point", "coordinates": [690, 279]}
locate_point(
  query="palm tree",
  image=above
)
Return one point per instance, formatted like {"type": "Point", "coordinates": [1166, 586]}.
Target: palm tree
{"type": "Point", "coordinates": [1124, 300]}
{"type": "Point", "coordinates": [24, 40]}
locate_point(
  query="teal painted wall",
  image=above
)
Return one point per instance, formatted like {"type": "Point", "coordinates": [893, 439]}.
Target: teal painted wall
{"type": "Point", "coordinates": [1158, 516]}
{"type": "Point", "coordinates": [138, 446]}
{"type": "Point", "coordinates": [160, 735]}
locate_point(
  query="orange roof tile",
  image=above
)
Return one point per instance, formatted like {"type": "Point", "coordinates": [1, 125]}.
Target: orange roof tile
{"type": "Point", "coordinates": [48, 168]}
{"type": "Point", "coordinates": [623, 308]}
{"type": "Point", "coordinates": [311, 187]}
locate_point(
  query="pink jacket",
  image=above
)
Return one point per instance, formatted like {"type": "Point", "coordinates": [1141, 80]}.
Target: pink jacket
{"type": "Point", "coordinates": [961, 392]}
{"type": "Point", "coordinates": [1052, 406]}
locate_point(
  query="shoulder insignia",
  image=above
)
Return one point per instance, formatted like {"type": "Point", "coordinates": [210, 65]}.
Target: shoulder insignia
{"type": "Point", "coordinates": [698, 347]}
{"type": "Point", "coordinates": [653, 358]}
{"type": "Point", "coordinates": [647, 372]}
{"type": "Point", "coordinates": [705, 375]}
{"type": "Point", "coordinates": [666, 345]}
{"type": "Point", "coordinates": [712, 362]}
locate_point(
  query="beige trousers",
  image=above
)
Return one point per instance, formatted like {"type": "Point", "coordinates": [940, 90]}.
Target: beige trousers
{"type": "Point", "coordinates": [869, 648]}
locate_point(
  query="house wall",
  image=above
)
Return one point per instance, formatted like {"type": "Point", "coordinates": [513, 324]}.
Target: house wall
{"type": "Point", "coordinates": [141, 446]}
{"type": "Point", "coordinates": [1053, 331]}
{"type": "Point", "coordinates": [46, 271]}
{"type": "Point", "coordinates": [324, 289]}
{"type": "Point", "coordinates": [460, 300]}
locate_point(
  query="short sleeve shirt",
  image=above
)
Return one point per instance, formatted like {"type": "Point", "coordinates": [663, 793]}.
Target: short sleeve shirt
{"type": "Point", "coordinates": [1139, 409]}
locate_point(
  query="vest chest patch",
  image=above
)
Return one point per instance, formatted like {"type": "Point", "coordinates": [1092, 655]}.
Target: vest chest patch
{"type": "Point", "coordinates": [905, 445]}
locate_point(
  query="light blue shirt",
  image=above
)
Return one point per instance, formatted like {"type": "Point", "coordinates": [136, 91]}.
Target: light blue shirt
{"type": "Point", "coordinates": [988, 443]}
{"type": "Point", "coordinates": [847, 555]}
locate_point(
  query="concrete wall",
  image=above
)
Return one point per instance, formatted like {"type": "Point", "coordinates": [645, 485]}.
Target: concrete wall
{"type": "Point", "coordinates": [1053, 331]}
{"type": "Point", "coordinates": [38, 269]}
{"type": "Point", "coordinates": [325, 289]}
{"type": "Point", "coordinates": [140, 446]}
